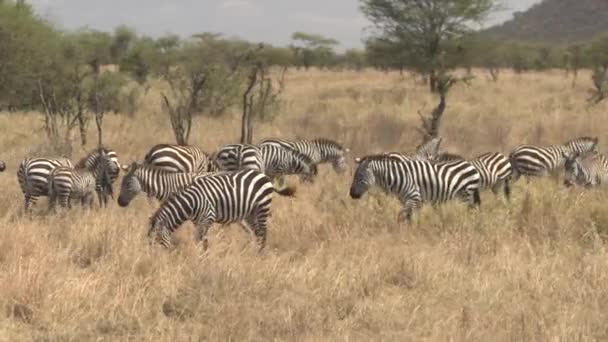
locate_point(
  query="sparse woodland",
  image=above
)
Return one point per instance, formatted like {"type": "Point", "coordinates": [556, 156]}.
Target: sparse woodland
{"type": "Point", "coordinates": [534, 268]}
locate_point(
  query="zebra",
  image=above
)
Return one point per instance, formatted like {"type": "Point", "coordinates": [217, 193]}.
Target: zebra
{"type": "Point", "coordinates": [176, 158]}
{"type": "Point", "coordinates": [154, 181]}
{"type": "Point", "coordinates": [102, 158]}
{"type": "Point", "coordinates": [589, 172]}
{"type": "Point", "coordinates": [66, 183]}
{"type": "Point", "coordinates": [416, 181]}
{"type": "Point", "coordinates": [279, 161]}
{"type": "Point", "coordinates": [242, 196]}
{"type": "Point", "coordinates": [33, 177]}
{"type": "Point", "coordinates": [539, 161]}
{"type": "Point", "coordinates": [494, 170]}
{"type": "Point", "coordinates": [319, 151]}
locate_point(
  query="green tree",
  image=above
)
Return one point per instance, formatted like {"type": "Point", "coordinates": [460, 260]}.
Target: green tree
{"type": "Point", "coordinates": [424, 26]}
{"type": "Point", "coordinates": [24, 42]}
{"type": "Point", "coordinates": [313, 50]}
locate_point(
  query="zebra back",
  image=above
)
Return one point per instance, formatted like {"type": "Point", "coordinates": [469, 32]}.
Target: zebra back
{"type": "Point", "coordinates": [320, 150]}
{"type": "Point", "coordinates": [533, 160]}
{"type": "Point", "coordinates": [33, 174]}
{"type": "Point", "coordinates": [177, 158]}
{"type": "Point", "coordinates": [235, 157]}
{"type": "Point", "coordinates": [154, 181]}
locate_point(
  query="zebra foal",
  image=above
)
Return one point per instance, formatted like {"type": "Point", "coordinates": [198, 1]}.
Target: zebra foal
{"type": "Point", "coordinates": [242, 196]}
{"type": "Point", "coordinates": [416, 181]}
{"type": "Point", "coordinates": [591, 171]}
{"type": "Point", "coordinates": [104, 164]}
{"type": "Point", "coordinates": [66, 183]}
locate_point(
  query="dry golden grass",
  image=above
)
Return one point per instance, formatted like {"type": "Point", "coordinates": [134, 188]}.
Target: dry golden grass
{"type": "Point", "coordinates": [335, 268]}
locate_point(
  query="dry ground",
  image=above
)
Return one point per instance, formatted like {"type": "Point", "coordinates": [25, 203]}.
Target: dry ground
{"type": "Point", "coordinates": [334, 269]}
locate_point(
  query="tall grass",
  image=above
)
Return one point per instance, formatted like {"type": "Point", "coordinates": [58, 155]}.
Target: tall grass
{"type": "Point", "coordinates": [334, 269]}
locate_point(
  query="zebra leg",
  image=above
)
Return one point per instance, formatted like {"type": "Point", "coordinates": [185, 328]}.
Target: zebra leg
{"type": "Point", "coordinates": [476, 199]}
{"type": "Point", "coordinates": [52, 203]}
{"type": "Point", "coordinates": [258, 225]}
{"type": "Point", "coordinates": [200, 233]}
{"type": "Point", "coordinates": [507, 189]}
{"type": "Point", "coordinates": [409, 204]}
{"type": "Point", "coordinates": [29, 201]}
{"type": "Point", "coordinates": [64, 201]}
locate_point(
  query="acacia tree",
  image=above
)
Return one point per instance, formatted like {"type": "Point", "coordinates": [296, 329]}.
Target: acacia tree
{"type": "Point", "coordinates": [424, 26]}
{"type": "Point", "coordinates": [313, 49]}
{"type": "Point", "coordinates": [261, 93]}
{"type": "Point", "coordinates": [205, 70]}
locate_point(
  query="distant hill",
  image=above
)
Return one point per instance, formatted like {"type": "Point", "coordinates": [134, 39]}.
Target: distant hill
{"type": "Point", "coordinates": [556, 21]}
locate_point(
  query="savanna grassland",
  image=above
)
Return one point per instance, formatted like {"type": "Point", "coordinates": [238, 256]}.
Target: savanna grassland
{"type": "Point", "coordinates": [334, 268]}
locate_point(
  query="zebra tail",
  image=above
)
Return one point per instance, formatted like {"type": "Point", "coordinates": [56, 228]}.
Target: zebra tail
{"type": "Point", "coordinates": [51, 187]}
{"type": "Point", "coordinates": [287, 191]}
{"type": "Point", "coordinates": [515, 174]}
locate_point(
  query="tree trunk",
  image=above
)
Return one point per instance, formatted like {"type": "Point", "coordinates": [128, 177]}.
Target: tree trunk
{"type": "Point", "coordinates": [246, 123]}
{"type": "Point", "coordinates": [432, 81]}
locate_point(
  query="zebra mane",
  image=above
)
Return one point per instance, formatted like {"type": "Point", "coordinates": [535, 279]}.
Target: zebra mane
{"type": "Point", "coordinates": [92, 157]}
{"type": "Point", "coordinates": [377, 157]}
{"type": "Point", "coordinates": [329, 142]}
{"type": "Point", "coordinates": [447, 156]}
{"type": "Point", "coordinates": [582, 139]}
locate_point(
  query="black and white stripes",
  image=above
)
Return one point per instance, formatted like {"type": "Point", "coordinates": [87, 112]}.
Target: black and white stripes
{"type": "Point", "coordinates": [176, 158]}
{"type": "Point", "coordinates": [154, 181]}
{"type": "Point", "coordinates": [591, 171]}
{"type": "Point", "coordinates": [415, 181]}
{"type": "Point", "coordinates": [317, 150]}
{"type": "Point", "coordinates": [494, 169]}
{"type": "Point", "coordinates": [530, 160]}
{"type": "Point", "coordinates": [243, 196]}
{"type": "Point", "coordinates": [66, 183]}
{"type": "Point", "coordinates": [33, 176]}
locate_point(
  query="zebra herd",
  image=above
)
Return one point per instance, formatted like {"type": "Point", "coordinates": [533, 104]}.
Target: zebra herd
{"type": "Point", "coordinates": [233, 184]}
{"type": "Point", "coordinates": [236, 183]}
{"type": "Point", "coordinates": [431, 176]}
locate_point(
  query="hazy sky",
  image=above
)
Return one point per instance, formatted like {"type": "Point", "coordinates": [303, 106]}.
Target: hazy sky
{"type": "Point", "coordinates": [270, 21]}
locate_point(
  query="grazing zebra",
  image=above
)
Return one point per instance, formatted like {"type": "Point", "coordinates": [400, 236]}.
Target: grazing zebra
{"type": "Point", "coordinates": [176, 158]}
{"type": "Point", "coordinates": [242, 196]}
{"type": "Point", "coordinates": [317, 150]}
{"type": "Point", "coordinates": [66, 183]}
{"type": "Point", "coordinates": [539, 161]}
{"type": "Point", "coordinates": [416, 181]}
{"type": "Point", "coordinates": [33, 177]}
{"type": "Point", "coordinates": [272, 160]}
{"type": "Point", "coordinates": [494, 170]}
{"type": "Point", "coordinates": [154, 181]}
{"type": "Point", "coordinates": [99, 159]}
{"type": "Point", "coordinates": [590, 172]}
{"type": "Point", "coordinates": [279, 161]}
